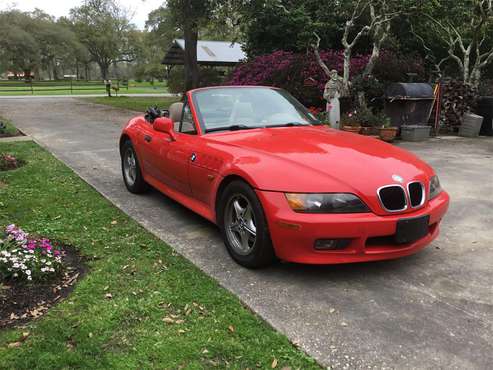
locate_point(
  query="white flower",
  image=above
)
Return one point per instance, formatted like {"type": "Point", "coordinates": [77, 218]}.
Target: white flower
{"type": "Point", "coordinates": [27, 272]}
{"type": "Point", "coordinates": [29, 278]}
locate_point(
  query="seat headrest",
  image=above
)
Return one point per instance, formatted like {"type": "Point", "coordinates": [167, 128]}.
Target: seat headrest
{"type": "Point", "coordinates": [175, 111]}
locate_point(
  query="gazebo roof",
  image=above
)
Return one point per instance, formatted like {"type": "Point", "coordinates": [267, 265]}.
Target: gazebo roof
{"type": "Point", "coordinates": [213, 53]}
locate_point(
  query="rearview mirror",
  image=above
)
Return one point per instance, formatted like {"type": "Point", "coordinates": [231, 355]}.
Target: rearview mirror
{"type": "Point", "coordinates": [165, 124]}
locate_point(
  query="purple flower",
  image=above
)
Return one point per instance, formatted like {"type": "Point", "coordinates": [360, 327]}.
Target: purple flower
{"type": "Point", "coordinates": [31, 245]}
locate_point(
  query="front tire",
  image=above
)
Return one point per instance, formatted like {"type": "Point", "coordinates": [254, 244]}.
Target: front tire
{"type": "Point", "coordinates": [132, 174]}
{"type": "Point", "coordinates": [244, 226]}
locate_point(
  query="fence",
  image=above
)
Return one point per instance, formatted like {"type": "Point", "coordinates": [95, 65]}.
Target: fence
{"type": "Point", "coordinates": [50, 86]}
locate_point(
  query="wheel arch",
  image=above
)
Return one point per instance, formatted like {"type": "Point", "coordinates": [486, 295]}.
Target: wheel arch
{"type": "Point", "coordinates": [123, 138]}
{"type": "Point", "coordinates": [228, 179]}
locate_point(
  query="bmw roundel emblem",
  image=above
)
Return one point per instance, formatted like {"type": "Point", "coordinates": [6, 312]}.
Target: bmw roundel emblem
{"type": "Point", "coordinates": [397, 178]}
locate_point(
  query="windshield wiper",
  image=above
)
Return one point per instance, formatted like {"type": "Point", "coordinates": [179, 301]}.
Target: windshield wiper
{"type": "Point", "coordinates": [231, 128]}
{"type": "Point", "coordinates": [288, 124]}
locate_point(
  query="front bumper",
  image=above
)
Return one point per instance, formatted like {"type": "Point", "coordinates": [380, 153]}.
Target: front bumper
{"type": "Point", "coordinates": [294, 234]}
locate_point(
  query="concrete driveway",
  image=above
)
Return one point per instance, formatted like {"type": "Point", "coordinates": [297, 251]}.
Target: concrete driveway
{"type": "Point", "coordinates": [430, 310]}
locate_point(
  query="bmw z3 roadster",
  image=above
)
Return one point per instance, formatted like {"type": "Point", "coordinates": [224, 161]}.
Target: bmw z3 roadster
{"type": "Point", "coordinates": [279, 184]}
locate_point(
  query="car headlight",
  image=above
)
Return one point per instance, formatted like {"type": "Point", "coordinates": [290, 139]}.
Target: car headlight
{"type": "Point", "coordinates": [326, 203]}
{"type": "Point", "coordinates": [435, 187]}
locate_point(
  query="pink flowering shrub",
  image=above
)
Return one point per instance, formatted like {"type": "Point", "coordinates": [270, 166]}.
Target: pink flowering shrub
{"type": "Point", "coordinates": [28, 259]}
{"type": "Point", "coordinates": [9, 162]}
{"type": "Point", "coordinates": [299, 74]}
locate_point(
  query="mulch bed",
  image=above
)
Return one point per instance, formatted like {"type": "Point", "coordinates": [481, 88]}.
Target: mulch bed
{"type": "Point", "coordinates": [9, 163]}
{"type": "Point", "coordinates": [22, 302]}
{"type": "Point", "coordinates": [18, 133]}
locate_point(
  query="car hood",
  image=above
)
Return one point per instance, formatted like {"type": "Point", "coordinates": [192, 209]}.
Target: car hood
{"type": "Point", "coordinates": [320, 159]}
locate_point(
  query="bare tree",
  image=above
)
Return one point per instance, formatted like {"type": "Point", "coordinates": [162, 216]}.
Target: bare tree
{"type": "Point", "coordinates": [465, 42]}
{"type": "Point", "coordinates": [378, 27]}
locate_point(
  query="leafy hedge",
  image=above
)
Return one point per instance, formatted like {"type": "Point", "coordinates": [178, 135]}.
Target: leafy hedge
{"type": "Point", "coordinates": [300, 74]}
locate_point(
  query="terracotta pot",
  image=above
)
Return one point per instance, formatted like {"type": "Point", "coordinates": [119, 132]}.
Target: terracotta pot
{"type": "Point", "coordinates": [353, 129]}
{"type": "Point", "coordinates": [387, 133]}
{"type": "Point", "coordinates": [365, 130]}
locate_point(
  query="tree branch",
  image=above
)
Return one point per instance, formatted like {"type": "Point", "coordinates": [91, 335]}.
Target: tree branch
{"type": "Point", "coordinates": [317, 55]}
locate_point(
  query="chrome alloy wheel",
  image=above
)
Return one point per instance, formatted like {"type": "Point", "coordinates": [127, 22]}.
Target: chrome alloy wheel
{"type": "Point", "coordinates": [241, 230]}
{"type": "Point", "coordinates": [130, 166]}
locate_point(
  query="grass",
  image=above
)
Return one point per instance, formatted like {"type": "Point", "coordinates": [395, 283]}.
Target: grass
{"type": "Point", "coordinates": [148, 282]}
{"type": "Point", "coordinates": [139, 104]}
{"type": "Point", "coordinates": [10, 129]}
{"type": "Point", "coordinates": [47, 89]}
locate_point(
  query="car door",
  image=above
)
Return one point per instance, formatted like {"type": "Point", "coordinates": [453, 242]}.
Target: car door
{"type": "Point", "coordinates": [181, 153]}
{"type": "Point", "coordinates": [154, 147]}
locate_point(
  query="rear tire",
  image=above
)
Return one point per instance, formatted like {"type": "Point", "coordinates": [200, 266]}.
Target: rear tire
{"type": "Point", "coordinates": [244, 227]}
{"type": "Point", "coordinates": [132, 174]}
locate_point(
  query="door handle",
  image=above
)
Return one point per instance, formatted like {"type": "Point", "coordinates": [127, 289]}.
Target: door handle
{"type": "Point", "coordinates": [148, 138]}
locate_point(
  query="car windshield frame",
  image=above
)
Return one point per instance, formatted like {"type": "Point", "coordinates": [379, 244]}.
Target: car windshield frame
{"type": "Point", "coordinates": [304, 113]}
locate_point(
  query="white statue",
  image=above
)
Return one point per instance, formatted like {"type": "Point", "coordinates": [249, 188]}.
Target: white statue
{"type": "Point", "coordinates": [332, 93]}
{"type": "Point", "coordinates": [334, 89]}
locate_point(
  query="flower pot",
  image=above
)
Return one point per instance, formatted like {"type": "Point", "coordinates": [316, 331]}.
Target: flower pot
{"type": "Point", "coordinates": [365, 130]}
{"type": "Point", "coordinates": [415, 132]}
{"type": "Point", "coordinates": [387, 134]}
{"type": "Point", "coordinates": [471, 125]}
{"type": "Point", "coordinates": [353, 129]}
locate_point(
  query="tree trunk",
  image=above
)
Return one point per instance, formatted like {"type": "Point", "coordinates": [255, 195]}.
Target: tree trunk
{"type": "Point", "coordinates": [380, 34]}
{"type": "Point", "coordinates": [347, 66]}
{"type": "Point", "coordinates": [375, 54]}
{"type": "Point", "coordinates": [55, 72]}
{"type": "Point", "coordinates": [104, 67]}
{"type": "Point", "coordinates": [86, 71]}
{"type": "Point", "coordinates": [190, 56]}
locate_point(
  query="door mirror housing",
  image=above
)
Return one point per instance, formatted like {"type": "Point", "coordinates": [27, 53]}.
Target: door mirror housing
{"type": "Point", "coordinates": [165, 124]}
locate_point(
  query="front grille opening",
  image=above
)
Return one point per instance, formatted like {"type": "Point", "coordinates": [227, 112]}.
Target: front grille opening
{"type": "Point", "coordinates": [416, 194]}
{"type": "Point", "coordinates": [393, 198]}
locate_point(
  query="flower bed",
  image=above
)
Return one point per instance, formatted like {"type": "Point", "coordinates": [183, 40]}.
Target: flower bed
{"type": "Point", "coordinates": [25, 258]}
{"type": "Point", "coordinates": [9, 162]}
{"type": "Point", "coordinates": [34, 274]}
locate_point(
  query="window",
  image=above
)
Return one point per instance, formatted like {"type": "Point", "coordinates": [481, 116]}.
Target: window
{"type": "Point", "coordinates": [186, 125]}
{"type": "Point", "coordinates": [249, 107]}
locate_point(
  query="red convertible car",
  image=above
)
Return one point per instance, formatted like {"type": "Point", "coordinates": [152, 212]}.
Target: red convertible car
{"type": "Point", "coordinates": [281, 185]}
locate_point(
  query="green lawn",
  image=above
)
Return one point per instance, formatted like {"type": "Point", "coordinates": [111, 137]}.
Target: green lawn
{"type": "Point", "coordinates": [47, 88]}
{"type": "Point", "coordinates": [147, 280]}
{"type": "Point", "coordinates": [139, 104]}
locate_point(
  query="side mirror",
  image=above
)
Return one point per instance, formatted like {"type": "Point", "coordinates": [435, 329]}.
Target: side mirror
{"type": "Point", "coordinates": [165, 124]}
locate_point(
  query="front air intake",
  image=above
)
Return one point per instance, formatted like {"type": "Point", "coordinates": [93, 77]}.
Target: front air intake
{"type": "Point", "coordinates": [416, 194]}
{"type": "Point", "coordinates": [392, 198]}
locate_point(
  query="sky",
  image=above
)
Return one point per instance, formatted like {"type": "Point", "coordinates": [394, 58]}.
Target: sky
{"type": "Point", "coordinates": [58, 8]}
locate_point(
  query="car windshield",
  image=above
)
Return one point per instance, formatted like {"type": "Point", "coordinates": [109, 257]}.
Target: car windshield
{"type": "Point", "coordinates": [239, 108]}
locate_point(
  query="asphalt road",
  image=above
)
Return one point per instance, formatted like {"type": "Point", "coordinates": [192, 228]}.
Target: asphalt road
{"type": "Point", "coordinates": [430, 310]}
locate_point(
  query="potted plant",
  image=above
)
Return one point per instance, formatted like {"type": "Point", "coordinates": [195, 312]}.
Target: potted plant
{"type": "Point", "coordinates": [350, 122]}
{"type": "Point", "coordinates": [386, 131]}
{"type": "Point", "coordinates": [368, 120]}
